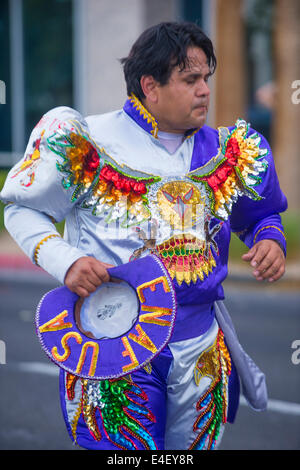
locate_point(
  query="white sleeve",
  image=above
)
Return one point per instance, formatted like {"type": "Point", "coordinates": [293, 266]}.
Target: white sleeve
{"type": "Point", "coordinates": [45, 178]}
{"type": "Point", "coordinates": [56, 172]}
{"type": "Point", "coordinates": [36, 234]}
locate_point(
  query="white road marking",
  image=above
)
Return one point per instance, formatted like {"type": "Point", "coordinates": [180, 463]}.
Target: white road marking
{"type": "Point", "coordinates": [38, 368]}
{"type": "Point", "coordinates": [278, 406]}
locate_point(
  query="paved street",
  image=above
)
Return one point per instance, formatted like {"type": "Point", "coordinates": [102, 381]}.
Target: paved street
{"type": "Point", "coordinates": [267, 322]}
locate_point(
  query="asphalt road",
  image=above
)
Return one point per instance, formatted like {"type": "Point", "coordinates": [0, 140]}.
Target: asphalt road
{"type": "Point", "coordinates": [267, 322]}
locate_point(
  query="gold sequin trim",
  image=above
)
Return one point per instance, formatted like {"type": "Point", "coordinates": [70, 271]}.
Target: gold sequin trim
{"type": "Point", "coordinates": [145, 113]}
{"type": "Point", "coordinates": [74, 423]}
{"type": "Point", "coordinates": [38, 246]}
{"type": "Point", "coordinates": [188, 136]}
{"type": "Point", "coordinates": [266, 228]}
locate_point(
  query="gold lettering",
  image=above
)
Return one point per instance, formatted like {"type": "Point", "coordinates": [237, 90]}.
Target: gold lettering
{"type": "Point", "coordinates": [152, 286]}
{"type": "Point", "coordinates": [129, 352]}
{"type": "Point", "coordinates": [143, 339]}
{"type": "Point", "coordinates": [63, 357]}
{"type": "Point", "coordinates": [95, 346]}
{"type": "Point", "coordinates": [57, 323]}
{"type": "Point", "coordinates": [154, 315]}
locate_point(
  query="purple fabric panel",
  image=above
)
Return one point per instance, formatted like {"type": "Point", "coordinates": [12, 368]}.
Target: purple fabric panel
{"type": "Point", "coordinates": [206, 145]}
{"type": "Point", "coordinates": [192, 321]}
{"type": "Point", "coordinates": [234, 394]}
{"type": "Point", "coordinates": [205, 291]}
{"type": "Point", "coordinates": [269, 231]}
{"type": "Point", "coordinates": [161, 364]}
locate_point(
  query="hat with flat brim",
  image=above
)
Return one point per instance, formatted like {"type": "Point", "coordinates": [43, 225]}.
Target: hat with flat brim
{"type": "Point", "coordinates": [115, 331]}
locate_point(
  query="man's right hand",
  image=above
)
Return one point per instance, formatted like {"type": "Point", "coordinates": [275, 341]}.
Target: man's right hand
{"type": "Point", "coordinates": [85, 275]}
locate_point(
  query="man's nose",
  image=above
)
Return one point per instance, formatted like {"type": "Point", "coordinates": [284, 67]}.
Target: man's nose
{"type": "Point", "coordinates": [203, 89]}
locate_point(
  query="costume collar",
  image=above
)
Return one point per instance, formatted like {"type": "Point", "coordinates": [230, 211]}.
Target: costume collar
{"type": "Point", "coordinates": [135, 109]}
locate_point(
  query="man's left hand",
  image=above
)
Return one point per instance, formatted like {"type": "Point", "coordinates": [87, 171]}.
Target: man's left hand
{"type": "Point", "coordinates": [267, 259]}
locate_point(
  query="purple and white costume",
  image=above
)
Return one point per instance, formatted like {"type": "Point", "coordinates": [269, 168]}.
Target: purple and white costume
{"type": "Point", "coordinates": [124, 198]}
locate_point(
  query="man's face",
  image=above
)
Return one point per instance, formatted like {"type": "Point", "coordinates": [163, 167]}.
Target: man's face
{"type": "Point", "coordinates": [182, 103]}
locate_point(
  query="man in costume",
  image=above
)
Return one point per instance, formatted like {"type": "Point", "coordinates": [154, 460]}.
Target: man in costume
{"type": "Point", "coordinates": [152, 178]}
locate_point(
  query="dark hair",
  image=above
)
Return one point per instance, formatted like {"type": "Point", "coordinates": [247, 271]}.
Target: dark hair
{"type": "Point", "coordinates": [161, 48]}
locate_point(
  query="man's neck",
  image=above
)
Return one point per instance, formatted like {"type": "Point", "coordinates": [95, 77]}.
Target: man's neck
{"type": "Point", "coordinates": [170, 140]}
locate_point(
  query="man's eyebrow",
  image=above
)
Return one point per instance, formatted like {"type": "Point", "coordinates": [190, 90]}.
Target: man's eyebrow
{"type": "Point", "coordinates": [192, 74]}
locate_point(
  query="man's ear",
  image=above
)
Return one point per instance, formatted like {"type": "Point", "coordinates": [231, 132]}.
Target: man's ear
{"type": "Point", "coordinates": [149, 87]}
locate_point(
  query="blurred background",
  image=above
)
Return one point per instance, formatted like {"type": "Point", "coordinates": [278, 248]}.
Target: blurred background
{"type": "Point", "coordinates": [66, 52]}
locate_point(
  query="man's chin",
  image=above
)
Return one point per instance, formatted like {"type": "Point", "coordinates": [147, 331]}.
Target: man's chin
{"type": "Point", "coordinates": [197, 123]}
{"type": "Point", "coordinates": [200, 116]}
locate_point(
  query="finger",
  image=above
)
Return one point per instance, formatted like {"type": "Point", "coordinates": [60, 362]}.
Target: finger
{"type": "Point", "coordinates": [81, 291]}
{"type": "Point", "coordinates": [86, 279]}
{"type": "Point", "coordinates": [277, 272]}
{"type": "Point", "coordinates": [101, 272]}
{"type": "Point", "coordinates": [271, 271]}
{"type": "Point", "coordinates": [94, 273]}
{"type": "Point", "coordinates": [107, 265]}
{"type": "Point", "coordinates": [93, 278]}
{"type": "Point", "coordinates": [250, 254]}
{"type": "Point", "coordinates": [95, 262]}
{"type": "Point", "coordinates": [261, 261]}
{"type": "Point", "coordinates": [278, 275]}
{"type": "Point", "coordinates": [272, 260]}
{"type": "Point", "coordinates": [102, 275]}
{"type": "Point", "coordinates": [89, 286]}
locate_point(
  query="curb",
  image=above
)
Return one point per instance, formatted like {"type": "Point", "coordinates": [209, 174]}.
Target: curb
{"type": "Point", "coordinates": [19, 268]}
{"type": "Point", "coordinates": [15, 266]}
{"type": "Point", "coordinates": [18, 262]}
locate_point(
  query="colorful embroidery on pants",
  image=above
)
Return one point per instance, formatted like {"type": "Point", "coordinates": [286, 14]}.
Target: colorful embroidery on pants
{"type": "Point", "coordinates": [113, 402]}
{"type": "Point", "coordinates": [215, 363]}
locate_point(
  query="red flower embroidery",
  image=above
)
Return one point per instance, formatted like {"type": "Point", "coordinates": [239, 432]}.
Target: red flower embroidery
{"type": "Point", "coordinates": [91, 161]}
{"type": "Point", "coordinates": [123, 183]}
{"type": "Point", "coordinates": [221, 174]}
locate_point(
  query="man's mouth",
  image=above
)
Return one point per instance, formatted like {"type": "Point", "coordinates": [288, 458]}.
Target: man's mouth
{"type": "Point", "coordinates": [201, 106]}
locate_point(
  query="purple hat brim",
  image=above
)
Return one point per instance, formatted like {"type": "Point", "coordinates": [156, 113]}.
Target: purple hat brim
{"type": "Point", "coordinates": [99, 359]}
